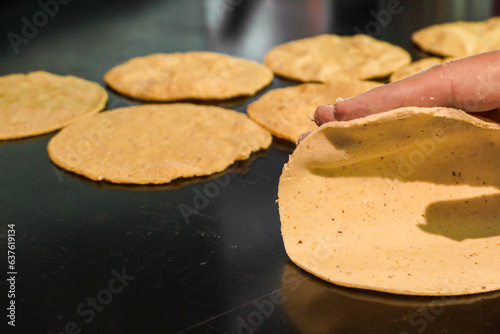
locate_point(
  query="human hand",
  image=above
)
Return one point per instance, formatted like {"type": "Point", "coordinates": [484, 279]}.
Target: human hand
{"type": "Point", "coordinates": [471, 84]}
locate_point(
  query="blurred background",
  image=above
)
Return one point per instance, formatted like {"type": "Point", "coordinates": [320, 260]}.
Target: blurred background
{"type": "Point", "coordinates": [109, 30]}
{"type": "Point", "coordinates": [224, 269]}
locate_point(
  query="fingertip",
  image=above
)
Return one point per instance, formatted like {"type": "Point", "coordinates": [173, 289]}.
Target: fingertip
{"type": "Point", "coordinates": [303, 136]}
{"type": "Point", "coordinates": [324, 113]}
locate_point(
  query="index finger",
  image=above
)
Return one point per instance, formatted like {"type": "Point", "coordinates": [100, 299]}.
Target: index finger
{"type": "Point", "coordinates": [471, 84]}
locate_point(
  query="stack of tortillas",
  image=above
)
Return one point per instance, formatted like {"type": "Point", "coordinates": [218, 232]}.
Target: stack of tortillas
{"type": "Point", "coordinates": [403, 202]}
{"type": "Point", "coordinates": [328, 58]}
{"type": "Point", "coordinates": [41, 102]}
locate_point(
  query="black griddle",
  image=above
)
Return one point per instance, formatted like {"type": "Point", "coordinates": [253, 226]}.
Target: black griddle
{"type": "Point", "coordinates": [94, 257]}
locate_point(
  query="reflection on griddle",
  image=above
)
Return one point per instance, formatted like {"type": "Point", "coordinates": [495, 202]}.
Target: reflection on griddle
{"type": "Point", "coordinates": [283, 144]}
{"type": "Point", "coordinates": [240, 167]}
{"type": "Point", "coordinates": [223, 103]}
{"type": "Point", "coordinates": [316, 306]}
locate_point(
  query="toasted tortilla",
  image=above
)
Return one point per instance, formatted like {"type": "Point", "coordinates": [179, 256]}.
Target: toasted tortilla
{"type": "Point", "coordinates": [41, 102]}
{"type": "Point", "coordinates": [327, 58]}
{"type": "Point", "coordinates": [459, 39]}
{"type": "Point", "coordinates": [284, 111]}
{"type": "Point", "coordinates": [190, 75]}
{"type": "Point", "coordinates": [154, 144]}
{"type": "Point", "coordinates": [405, 202]}
{"type": "Point", "coordinates": [417, 67]}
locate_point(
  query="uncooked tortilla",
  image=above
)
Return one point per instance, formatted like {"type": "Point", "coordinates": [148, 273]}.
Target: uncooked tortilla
{"type": "Point", "coordinates": [191, 75]}
{"type": "Point", "coordinates": [327, 58]}
{"type": "Point", "coordinates": [156, 143]}
{"type": "Point", "coordinates": [284, 111]}
{"type": "Point", "coordinates": [40, 102]}
{"type": "Point", "coordinates": [405, 202]}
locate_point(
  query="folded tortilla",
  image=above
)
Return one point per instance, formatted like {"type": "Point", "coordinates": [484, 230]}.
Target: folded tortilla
{"type": "Point", "coordinates": [405, 202]}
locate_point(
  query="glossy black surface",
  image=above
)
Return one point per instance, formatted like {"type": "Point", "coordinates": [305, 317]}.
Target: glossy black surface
{"type": "Point", "coordinates": [220, 266]}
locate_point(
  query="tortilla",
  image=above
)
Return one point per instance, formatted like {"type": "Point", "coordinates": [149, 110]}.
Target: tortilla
{"type": "Point", "coordinates": [284, 111]}
{"type": "Point", "coordinates": [405, 202]}
{"type": "Point", "coordinates": [156, 143]}
{"type": "Point", "coordinates": [417, 67]}
{"type": "Point", "coordinates": [40, 102]}
{"type": "Point", "coordinates": [191, 75]}
{"type": "Point", "coordinates": [459, 39]}
{"type": "Point", "coordinates": [327, 58]}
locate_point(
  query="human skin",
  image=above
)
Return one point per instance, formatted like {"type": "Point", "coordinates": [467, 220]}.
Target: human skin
{"type": "Point", "coordinates": [471, 84]}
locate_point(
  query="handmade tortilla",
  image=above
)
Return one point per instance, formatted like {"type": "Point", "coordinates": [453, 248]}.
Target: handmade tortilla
{"type": "Point", "coordinates": [460, 39]}
{"type": "Point", "coordinates": [156, 143]}
{"type": "Point", "coordinates": [417, 67]}
{"type": "Point", "coordinates": [41, 102]}
{"type": "Point", "coordinates": [405, 202]}
{"type": "Point", "coordinates": [284, 111]}
{"type": "Point", "coordinates": [328, 58]}
{"type": "Point", "coordinates": [191, 75]}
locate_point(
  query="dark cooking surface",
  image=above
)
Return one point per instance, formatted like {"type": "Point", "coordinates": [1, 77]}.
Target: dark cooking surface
{"type": "Point", "coordinates": [205, 255]}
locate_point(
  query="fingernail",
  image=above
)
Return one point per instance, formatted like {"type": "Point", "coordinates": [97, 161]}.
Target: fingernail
{"type": "Point", "coordinates": [303, 136]}
{"type": "Point", "coordinates": [324, 113]}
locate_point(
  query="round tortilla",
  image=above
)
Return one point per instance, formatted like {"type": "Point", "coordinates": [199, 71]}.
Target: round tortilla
{"type": "Point", "coordinates": [156, 143]}
{"type": "Point", "coordinates": [416, 67]}
{"type": "Point", "coordinates": [191, 75]}
{"type": "Point", "coordinates": [40, 102]}
{"type": "Point", "coordinates": [404, 202]}
{"type": "Point", "coordinates": [284, 111]}
{"type": "Point", "coordinates": [327, 58]}
{"type": "Point", "coordinates": [459, 39]}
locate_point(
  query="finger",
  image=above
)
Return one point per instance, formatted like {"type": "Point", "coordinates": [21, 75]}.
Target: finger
{"type": "Point", "coordinates": [324, 113]}
{"type": "Point", "coordinates": [471, 84]}
{"type": "Point", "coordinates": [303, 136]}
